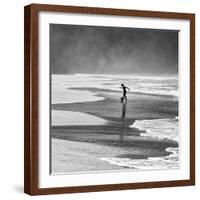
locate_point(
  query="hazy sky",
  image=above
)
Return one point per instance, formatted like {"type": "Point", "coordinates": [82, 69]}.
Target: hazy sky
{"type": "Point", "coordinates": [112, 50]}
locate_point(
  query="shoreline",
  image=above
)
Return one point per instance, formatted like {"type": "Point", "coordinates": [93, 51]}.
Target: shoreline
{"type": "Point", "coordinates": [92, 89]}
{"type": "Point", "coordinates": [114, 138]}
{"type": "Point", "coordinates": [140, 106]}
{"type": "Point", "coordinates": [71, 156]}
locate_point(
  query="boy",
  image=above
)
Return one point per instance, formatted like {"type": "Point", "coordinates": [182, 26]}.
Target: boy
{"type": "Point", "coordinates": [124, 92]}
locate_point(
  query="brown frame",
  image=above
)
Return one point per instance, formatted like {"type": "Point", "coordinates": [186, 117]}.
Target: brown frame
{"type": "Point", "coordinates": [31, 98]}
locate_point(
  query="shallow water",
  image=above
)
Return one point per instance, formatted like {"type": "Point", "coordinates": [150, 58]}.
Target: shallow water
{"type": "Point", "coordinates": [151, 163]}
{"type": "Point", "coordinates": [157, 128]}
{"type": "Point", "coordinates": [147, 84]}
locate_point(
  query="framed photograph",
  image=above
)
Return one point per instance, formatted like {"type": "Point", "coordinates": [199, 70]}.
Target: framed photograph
{"type": "Point", "coordinates": [109, 99]}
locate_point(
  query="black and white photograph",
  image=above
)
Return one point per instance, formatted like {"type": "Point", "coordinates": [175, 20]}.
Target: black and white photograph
{"type": "Point", "coordinates": [114, 99]}
{"type": "Point", "coordinates": [109, 99]}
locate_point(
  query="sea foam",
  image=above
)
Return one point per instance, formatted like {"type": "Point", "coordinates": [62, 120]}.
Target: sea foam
{"type": "Point", "coordinates": [158, 128]}
{"type": "Point", "coordinates": [151, 163]}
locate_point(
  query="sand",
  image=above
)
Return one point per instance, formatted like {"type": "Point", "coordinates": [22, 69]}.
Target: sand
{"type": "Point", "coordinates": [62, 95]}
{"type": "Point", "coordinates": [69, 156]}
{"type": "Point", "coordinates": [80, 148]}
{"type": "Point", "coordinates": [66, 118]}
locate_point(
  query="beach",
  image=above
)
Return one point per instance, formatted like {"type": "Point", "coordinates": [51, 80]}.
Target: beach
{"type": "Point", "coordinates": [89, 134]}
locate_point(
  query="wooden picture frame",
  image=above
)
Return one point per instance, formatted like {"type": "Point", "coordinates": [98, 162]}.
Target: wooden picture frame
{"type": "Point", "coordinates": [31, 96]}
